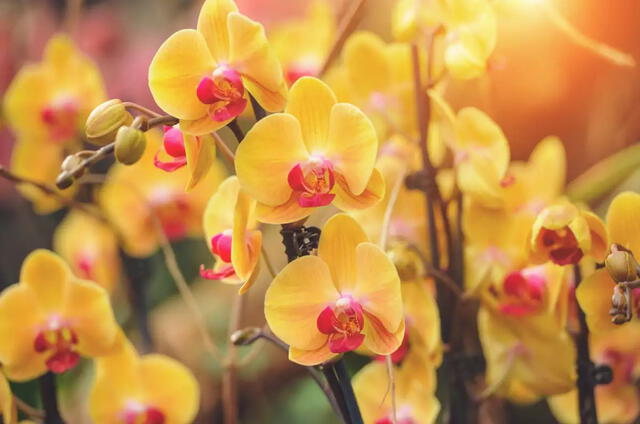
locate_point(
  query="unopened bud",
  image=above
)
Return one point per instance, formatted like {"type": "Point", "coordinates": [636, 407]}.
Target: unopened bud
{"type": "Point", "coordinates": [621, 264]}
{"type": "Point", "coordinates": [64, 180]}
{"type": "Point", "coordinates": [246, 336]}
{"type": "Point", "coordinates": [70, 163]}
{"type": "Point", "coordinates": [407, 261]}
{"type": "Point", "coordinates": [105, 120]}
{"type": "Point", "coordinates": [130, 145]}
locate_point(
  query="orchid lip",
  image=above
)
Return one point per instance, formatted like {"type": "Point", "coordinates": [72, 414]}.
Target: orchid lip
{"type": "Point", "coordinates": [343, 323]}
{"type": "Point", "coordinates": [224, 92]}
{"type": "Point", "coordinates": [313, 181]}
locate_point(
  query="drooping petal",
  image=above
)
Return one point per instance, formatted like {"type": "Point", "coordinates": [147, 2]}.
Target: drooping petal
{"type": "Point", "coordinates": [340, 237]}
{"type": "Point", "coordinates": [377, 286]}
{"type": "Point", "coordinates": [371, 195]}
{"type": "Point", "coordinates": [310, 101]}
{"type": "Point", "coordinates": [292, 305]}
{"type": "Point", "coordinates": [311, 357]}
{"type": "Point", "coordinates": [19, 320]}
{"type": "Point", "coordinates": [622, 221]}
{"type": "Point", "coordinates": [594, 296]}
{"type": "Point", "coordinates": [352, 145]}
{"type": "Point", "coordinates": [245, 245]}
{"type": "Point", "coordinates": [378, 339]}
{"type": "Point", "coordinates": [212, 24]}
{"type": "Point", "coordinates": [200, 152]}
{"type": "Point", "coordinates": [179, 400]}
{"type": "Point", "coordinates": [175, 72]}
{"type": "Point", "coordinates": [290, 211]}
{"type": "Point", "coordinates": [266, 155]}
{"type": "Point", "coordinates": [251, 55]}
{"type": "Point", "coordinates": [47, 274]}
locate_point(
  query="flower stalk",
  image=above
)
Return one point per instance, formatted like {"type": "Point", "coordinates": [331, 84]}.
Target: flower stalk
{"type": "Point", "coordinates": [49, 396]}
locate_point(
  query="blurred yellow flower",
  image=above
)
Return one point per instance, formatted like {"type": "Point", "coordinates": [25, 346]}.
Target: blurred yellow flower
{"type": "Point", "coordinates": [51, 318]}
{"type": "Point", "coordinates": [204, 76]}
{"type": "Point", "coordinates": [415, 381]}
{"type": "Point", "coordinates": [133, 196]}
{"type": "Point", "coordinates": [229, 226]}
{"type": "Point", "coordinates": [150, 389]}
{"type": "Point", "coordinates": [355, 298]}
{"type": "Point", "coordinates": [7, 405]}
{"type": "Point", "coordinates": [316, 153]}
{"type": "Point", "coordinates": [90, 247]}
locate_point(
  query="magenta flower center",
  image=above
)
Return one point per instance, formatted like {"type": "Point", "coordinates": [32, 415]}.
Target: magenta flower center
{"type": "Point", "coordinates": [223, 91]}
{"type": "Point", "coordinates": [343, 323]}
{"type": "Point", "coordinates": [313, 182]}
{"type": "Point", "coordinates": [523, 292]}
{"type": "Point", "coordinates": [221, 247]}
{"type": "Point", "coordinates": [173, 144]}
{"type": "Point", "coordinates": [58, 341]}
{"type": "Point", "coordinates": [139, 414]}
{"type": "Point", "coordinates": [60, 118]}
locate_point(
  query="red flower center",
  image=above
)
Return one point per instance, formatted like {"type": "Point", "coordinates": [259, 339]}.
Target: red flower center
{"type": "Point", "coordinates": [173, 143]}
{"type": "Point", "coordinates": [85, 262]}
{"type": "Point", "coordinates": [524, 293]}
{"type": "Point", "coordinates": [59, 342]}
{"type": "Point", "coordinates": [221, 247]}
{"type": "Point", "coordinates": [313, 182]}
{"type": "Point", "coordinates": [300, 69]}
{"type": "Point", "coordinates": [172, 210]}
{"type": "Point", "coordinates": [60, 118]}
{"type": "Point", "coordinates": [138, 414]}
{"type": "Point", "coordinates": [343, 323]}
{"type": "Point", "coordinates": [224, 92]}
{"type": "Point", "coordinates": [561, 246]}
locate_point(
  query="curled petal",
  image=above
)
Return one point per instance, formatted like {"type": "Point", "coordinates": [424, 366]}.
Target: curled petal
{"type": "Point", "coordinates": [171, 165]}
{"type": "Point", "coordinates": [371, 195]}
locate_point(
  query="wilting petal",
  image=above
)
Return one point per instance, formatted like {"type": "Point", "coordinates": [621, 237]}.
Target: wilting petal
{"type": "Point", "coordinates": [292, 305]}
{"type": "Point", "coordinates": [290, 211]}
{"type": "Point", "coordinates": [213, 25]}
{"type": "Point", "coordinates": [352, 145]}
{"type": "Point", "coordinates": [200, 152]}
{"type": "Point", "coordinates": [251, 55]}
{"type": "Point", "coordinates": [378, 339]}
{"type": "Point", "coordinates": [622, 221]}
{"type": "Point", "coordinates": [594, 296]}
{"type": "Point", "coordinates": [175, 71]}
{"type": "Point", "coordinates": [47, 274]}
{"type": "Point", "coordinates": [266, 155]}
{"type": "Point", "coordinates": [340, 237]}
{"type": "Point", "coordinates": [311, 100]}
{"type": "Point", "coordinates": [311, 357]}
{"type": "Point", "coordinates": [377, 286]}
{"type": "Point", "coordinates": [372, 194]}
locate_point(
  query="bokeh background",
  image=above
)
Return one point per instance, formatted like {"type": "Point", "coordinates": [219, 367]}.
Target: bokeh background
{"type": "Point", "coordinates": [539, 83]}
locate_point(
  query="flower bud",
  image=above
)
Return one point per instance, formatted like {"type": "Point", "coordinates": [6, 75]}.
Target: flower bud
{"type": "Point", "coordinates": [70, 162]}
{"type": "Point", "coordinates": [621, 264]}
{"type": "Point", "coordinates": [130, 145]}
{"type": "Point", "coordinates": [407, 261]}
{"type": "Point", "coordinates": [245, 336]}
{"type": "Point", "coordinates": [105, 120]}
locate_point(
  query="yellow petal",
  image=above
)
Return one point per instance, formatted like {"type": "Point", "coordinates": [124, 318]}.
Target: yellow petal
{"type": "Point", "coordinates": [311, 357]}
{"type": "Point", "coordinates": [266, 155]}
{"type": "Point", "coordinates": [175, 72]}
{"type": "Point", "coordinates": [378, 285]}
{"type": "Point", "coordinates": [598, 234]}
{"type": "Point", "coordinates": [218, 215]}
{"type": "Point", "coordinates": [594, 296]}
{"type": "Point", "coordinates": [340, 237]}
{"type": "Point", "coordinates": [352, 145]}
{"type": "Point", "coordinates": [201, 126]}
{"type": "Point", "coordinates": [292, 305]}
{"type": "Point", "coordinates": [6, 401]}
{"type": "Point", "coordinates": [200, 152]}
{"type": "Point", "coordinates": [310, 101]}
{"type": "Point", "coordinates": [88, 309]}
{"type": "Point", "coordinates": [251, 55]}
{"type": "Point", "coordinates": [179, 400]}
{"type": "Point", "coordinates": [25, 98]}
{"type": "Point", "coordinates": [19, 320]}
{"type": "Point", "coordinates": [47, 274]}
{"type": "Point", "coordinates": [212, 24]}
{"type": "Point", "coordinates": [363, 52]}
{"type": "Point", "coordinates": [372, 194]}
{"type": "Point", "coordinates": [378, 339]}
{"type": "Point", "coordinates": [288, 212]}
{"type": "Point", "coordinates": [548, 163]}
{"type": "Point", "coordinates": [245, 245]}
{"type": "Point", "coordinates": [622, 222]}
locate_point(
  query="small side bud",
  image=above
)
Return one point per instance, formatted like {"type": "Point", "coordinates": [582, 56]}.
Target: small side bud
{"type": "Point", "coordinates": [70, 163]}
{"type": "Point", "coordinates": [64, 180]}
{"type": "Point", "coordinates": [407, 261]}
{"type": "Point", "coordinates": [130, 145]}
{"type": "Point", "coordinates": [246, 336]}
{"type": "Point", "coordinates": [105, 120]}
{"type": "Point", "coordinates": [621, 264]}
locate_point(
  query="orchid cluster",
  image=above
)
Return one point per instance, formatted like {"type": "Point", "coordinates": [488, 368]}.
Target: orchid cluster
{"type": "Point", "coordinates": [428, 277]}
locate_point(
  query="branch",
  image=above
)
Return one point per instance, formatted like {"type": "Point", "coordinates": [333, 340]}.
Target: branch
{"type": "Point", "coordinates": [348, 23]}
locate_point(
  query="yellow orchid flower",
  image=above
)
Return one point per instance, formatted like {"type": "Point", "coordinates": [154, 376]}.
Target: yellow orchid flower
{"type": "Point", "coordinates": [90, 247]}
{"type": "Point", "coordinates": [355, 298]}
{"type": "Point", "coordinates": [470, 27]}
{"type": "Point", "coordinates": [142, 389]}
{"type": "Point", "coordinates": [415, 386]}
{"type": "Point", "coordinates": [619, 401]}
{"type": "Point", "coordinates": [316, 153]}
{"type": "Point", "coordinates": [422, 322]}
{"type": "Point", "coordinates": [564, 234]}
{"type": "Point", "coordinates": [46, 105]}
{"type": "Point", "coordinates": [197, 153]}
{"type": "Point", "coordinates": [594, 292]}
{"type": "Point", "coordinates": [387, 96]}
{"type": "Point", "coordinates": [204, 76]}
{"type": "Point", "coordinates": [313, 37]}
{"type": "Point", "coordinates": [135, 195]}
{"type": "Point", "coordinates": [229, 226]}
{"type": "Point", "coordinates": [528, 357]}
{"type": "Point", "coordinates": [7, 405]}
{"type": "Point", "coordinates": [51, 318]}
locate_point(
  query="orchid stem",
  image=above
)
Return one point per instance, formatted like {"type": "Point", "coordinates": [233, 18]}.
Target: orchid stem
{"type": "Point", "coordinates": [49, 395]}
{"type": "Point", "coordinates": [258, 111]}
{"type": "Point", "coordinates": [236, 130]}
{"type": "Point", "coordinates": [584, 365]}
{"type": "Point", "coordinates": [340, 383]}
{"type": "Point", "coordinates": [137, 271]}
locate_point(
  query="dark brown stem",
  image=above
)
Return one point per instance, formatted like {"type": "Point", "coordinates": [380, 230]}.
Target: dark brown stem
{"type": "Point", "coordinates": [49, 395]}
{"type": "Point", "coordinates": [236, 130]}
{"type": "Point", "coordinates": [348, 23]}
{"type": "Point", "coordinates": [258, 111]}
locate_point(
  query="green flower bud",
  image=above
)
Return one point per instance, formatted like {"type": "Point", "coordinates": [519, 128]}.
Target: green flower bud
{"type": "Point", "coordinates": [621, 264]}
{"type": "Point", "coordinates": [105, 120]}
{"type": "Point", "coordinates": [130, 145]}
